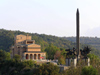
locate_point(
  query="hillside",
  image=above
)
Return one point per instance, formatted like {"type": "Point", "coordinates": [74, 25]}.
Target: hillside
{"type": "Point", "coordinates": [94, 41]}
{"type": "Point", "coordinates": [7, 40]}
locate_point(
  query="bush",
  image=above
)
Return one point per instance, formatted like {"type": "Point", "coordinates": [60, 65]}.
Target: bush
{"type": "Point", "coordinates": [48, 69]}
{"type": "Point", "coordinates": [29, 63]}
{"type": "Point", "coordinates": [89, 70]}
{"type": "Point", "coordinates": [17, 57]}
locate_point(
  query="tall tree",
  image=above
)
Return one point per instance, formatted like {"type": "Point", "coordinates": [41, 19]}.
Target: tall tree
{"type": "Point", "coordinates": [51, 50]}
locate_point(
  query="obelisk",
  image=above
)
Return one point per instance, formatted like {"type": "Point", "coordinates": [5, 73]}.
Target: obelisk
{"type": "Point", "coordinates": [77, 35]}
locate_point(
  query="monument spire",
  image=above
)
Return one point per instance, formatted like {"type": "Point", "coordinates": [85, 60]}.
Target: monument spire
{"type": "Point", "coordinates": [77, 34]}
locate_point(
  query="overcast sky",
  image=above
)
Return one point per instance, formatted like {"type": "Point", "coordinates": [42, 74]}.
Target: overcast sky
{"type": "Point", "coordinates": [52, 17]}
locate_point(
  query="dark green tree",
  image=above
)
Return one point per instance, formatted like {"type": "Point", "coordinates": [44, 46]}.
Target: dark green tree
{"type": "Point", "coordinates": [4, 55]}
{"type": "Point", "coordinates": [51, 50]}
{"type": "Point", "coordinates": [29, 63]}
{"type": "Point", "coordinates": [48, 69]}
{"type": "Point", "coordinates": [89, 70]}
{"type": "Point", "coordinates": [17, 57]}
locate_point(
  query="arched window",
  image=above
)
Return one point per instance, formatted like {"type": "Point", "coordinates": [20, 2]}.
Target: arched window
{"type": "Point", "coordinates": [35, 56]}
{"type": "Point", "coordinates": [38, 56]}
{"type": "Point", "coordinates": [27, 56]}
{"type": "Point", "coordinates": [31, 56]}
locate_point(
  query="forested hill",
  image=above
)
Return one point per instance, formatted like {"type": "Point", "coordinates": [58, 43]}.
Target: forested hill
{"type": "Point", "coordinates": [7, 40]}
{"type": "Point", "coordinates": [94, 41]}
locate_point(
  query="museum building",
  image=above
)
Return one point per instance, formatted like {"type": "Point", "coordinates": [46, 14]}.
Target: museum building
{"type": "Point", "coordinates": [26, 48]}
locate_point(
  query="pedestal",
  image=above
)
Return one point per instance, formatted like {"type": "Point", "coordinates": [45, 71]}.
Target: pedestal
{"type": "Point", "coordinates": [87, 61]}
{"type": "Point", "coordinates": [74, 62]}
{"type": "Point", "coordinates": [68, 62]}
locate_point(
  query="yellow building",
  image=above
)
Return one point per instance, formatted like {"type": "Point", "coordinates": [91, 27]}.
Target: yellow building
{"type": "Point", "coordinates": [26, 48]}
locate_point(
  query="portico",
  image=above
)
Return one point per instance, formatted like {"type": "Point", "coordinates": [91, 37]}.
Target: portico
{"type": "Point", "coordinates": [34, 56]}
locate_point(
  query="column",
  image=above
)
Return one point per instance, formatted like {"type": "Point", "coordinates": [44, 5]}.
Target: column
{"type": "Point", "coordinates": [28, 56]}
{"type": "Point", "coordinates": [33, 56]}
{"type": "Point", "coordinates": [37, 56]}
{"type": "Point", "coordinates": [40, 57]}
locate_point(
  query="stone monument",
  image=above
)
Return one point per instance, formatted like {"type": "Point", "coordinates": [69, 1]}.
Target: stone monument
{"type": "Point", "coordinates": [76, 54]}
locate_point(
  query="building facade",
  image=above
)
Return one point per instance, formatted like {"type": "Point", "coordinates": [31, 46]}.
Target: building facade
{"type": "Point", "coordinates": [26, 48]}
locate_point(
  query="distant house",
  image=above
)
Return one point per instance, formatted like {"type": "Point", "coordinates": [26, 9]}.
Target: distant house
{"type": "Point", "coordinates": [26, 48]}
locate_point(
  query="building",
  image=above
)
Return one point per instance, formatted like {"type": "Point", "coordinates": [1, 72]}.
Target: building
{"type": "Point", "coordinates": [26, 48]}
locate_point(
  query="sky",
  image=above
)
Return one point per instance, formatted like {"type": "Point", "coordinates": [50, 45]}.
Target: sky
{"type": "Point", "coordinates": [51, 17]}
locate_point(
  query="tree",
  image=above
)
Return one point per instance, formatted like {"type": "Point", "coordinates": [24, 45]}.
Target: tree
{"type": "Point", "coordinates": [94, 60]}
{"type": "Point", "coordinates": [29, 63]}
{"type": "Point", "coordinates": [61, 60]}
{"type": "Point", "coordinates": [57, 54]}
{"type": "Point", "coordinates": [89, 70]}
{"type": "Point", "coordinates": [92, 56]}
{"type": "Point", "coordinates": [17, 57]}
{"type": "Point", "coordinates": [48, 69]}
{"type": "Point", "coordinates": [63, 52]}
{"type": "Point", "coordinates": [4, 55]}
{"type": "Point", "coordinates": [51, 50]}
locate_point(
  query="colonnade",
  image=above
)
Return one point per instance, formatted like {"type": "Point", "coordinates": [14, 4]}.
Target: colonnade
{"type": "Point", "coordinates": [33, 56]}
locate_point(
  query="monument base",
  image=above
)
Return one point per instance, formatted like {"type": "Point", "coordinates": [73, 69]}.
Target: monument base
{"type": "Point", "coordinates": [87, 61]}
{"type": "Point", "coordinates": [71, 61]}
